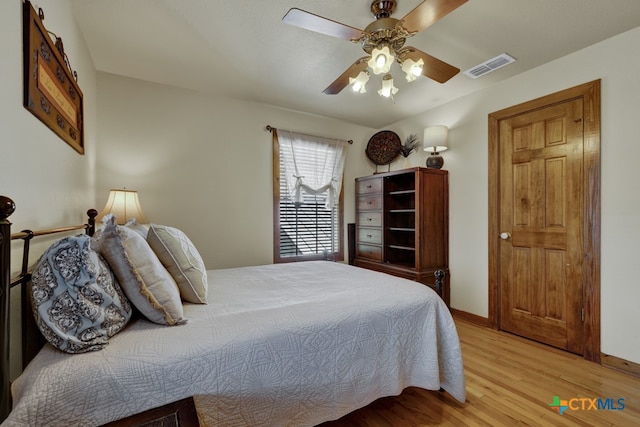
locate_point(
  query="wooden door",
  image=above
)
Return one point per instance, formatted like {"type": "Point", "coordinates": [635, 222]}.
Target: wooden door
{"type": "Point", "coordinates": [548, 268]}
{"type": "Point", "coordinates": [541, 199]}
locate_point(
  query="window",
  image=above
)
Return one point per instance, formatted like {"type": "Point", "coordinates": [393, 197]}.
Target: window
{"type": "Point", "coordinates": [308, 199]}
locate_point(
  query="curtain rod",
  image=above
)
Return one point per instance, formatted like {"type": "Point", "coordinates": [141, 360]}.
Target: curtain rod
{"type": "Point", "coordinates": [271, 128]}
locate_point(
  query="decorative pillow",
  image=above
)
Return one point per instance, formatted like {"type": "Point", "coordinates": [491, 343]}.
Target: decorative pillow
{"type": "Point", "coordinates": [178, 254]}
{"type": "Point", "coordinates": [138, 228]}
{"type": "Point", "coordinates": [77, 303]}
{"type": "Point", "coordinates": [144, 280]}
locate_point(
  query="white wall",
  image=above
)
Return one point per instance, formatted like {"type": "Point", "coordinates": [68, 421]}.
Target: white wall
{"type": "Point", "coordinates": [51, 184]}
{"type": "Point", "coordinates": [49, 181]}
{"type": "Point", "coordinates": [617, 63]}
{"type": "Point", "coordinates": [204, 163]}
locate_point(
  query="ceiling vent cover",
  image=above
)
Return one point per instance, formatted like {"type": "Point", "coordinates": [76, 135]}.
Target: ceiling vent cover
{"type": "Point", "coordinates": [489, 66]}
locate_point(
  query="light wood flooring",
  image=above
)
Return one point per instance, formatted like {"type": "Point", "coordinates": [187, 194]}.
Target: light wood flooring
{"type": "Point", "coordinates": [510, 381]}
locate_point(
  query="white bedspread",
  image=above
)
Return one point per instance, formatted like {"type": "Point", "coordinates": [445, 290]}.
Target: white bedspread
{"type": "Point", "coordinates": [288, 344]}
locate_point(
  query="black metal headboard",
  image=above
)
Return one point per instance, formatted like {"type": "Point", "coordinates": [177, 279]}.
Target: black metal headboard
{"type": "Point", "coordinates": [31, 339]}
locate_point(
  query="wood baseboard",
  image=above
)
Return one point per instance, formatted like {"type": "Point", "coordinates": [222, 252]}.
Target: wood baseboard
{"type": "Point", "coordinates": [606, 360]}
{"type": "Point", "coordinates": [469, 317]}
{"type": "Point", "coordinates": [621, 365]}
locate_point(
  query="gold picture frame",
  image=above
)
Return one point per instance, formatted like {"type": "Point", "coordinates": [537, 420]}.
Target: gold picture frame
{"type": "Point", "coordinates": [51, 92]}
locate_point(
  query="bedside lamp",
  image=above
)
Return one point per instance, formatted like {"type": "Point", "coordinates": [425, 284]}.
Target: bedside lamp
{"type": "Point", "coordinates": [435, 142]}
{"type": "Point", "coordinates": [125, 205]}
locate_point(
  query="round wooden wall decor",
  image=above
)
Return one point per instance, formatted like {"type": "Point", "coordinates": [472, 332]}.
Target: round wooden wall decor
{"type": "Point", "coordinates": [383, 147]}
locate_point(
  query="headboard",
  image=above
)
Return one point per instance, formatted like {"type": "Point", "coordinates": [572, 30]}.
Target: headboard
{"type": "Point", "coordinates": [31, 340]}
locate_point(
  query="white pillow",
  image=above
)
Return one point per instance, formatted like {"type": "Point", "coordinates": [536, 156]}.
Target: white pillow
{"type": "Point", "coordinates": [181, 258]}
{"type": "Point", "coordinates": [145, 281]}
{"type": "Point", "coordinates": [138, 228]}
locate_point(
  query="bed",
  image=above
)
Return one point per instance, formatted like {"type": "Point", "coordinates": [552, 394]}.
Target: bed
{"type": "Point", "coordinates": [291, 344]}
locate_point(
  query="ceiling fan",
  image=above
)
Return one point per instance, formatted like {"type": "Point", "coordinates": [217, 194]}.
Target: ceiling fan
{"type": "Point", "coordinates": [383, 40]}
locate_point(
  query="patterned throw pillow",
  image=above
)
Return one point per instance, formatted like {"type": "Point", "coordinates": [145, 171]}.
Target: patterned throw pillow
{"type": "Point", "coordinates": [181, 258]}
{"type": "Point", "coordinates": [76, 300]}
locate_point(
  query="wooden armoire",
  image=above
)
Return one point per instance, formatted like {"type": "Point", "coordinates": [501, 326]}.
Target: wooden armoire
{"type": "Point", "coordinates": [402, 225]}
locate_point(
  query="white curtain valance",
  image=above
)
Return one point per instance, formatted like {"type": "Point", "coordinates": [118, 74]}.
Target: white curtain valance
{"type": "Point", "coordinates": [313, 165]}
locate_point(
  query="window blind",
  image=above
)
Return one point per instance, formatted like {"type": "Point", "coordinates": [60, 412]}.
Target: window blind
{"type": "Point", "coordinates": [310, 183]}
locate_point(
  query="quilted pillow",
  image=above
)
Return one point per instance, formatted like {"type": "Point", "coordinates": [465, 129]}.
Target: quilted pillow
{"type": "Point", "coordinates": [77, 303]}
{"type": "Point", "coordinates": [181, 258]}
{"type": "Point", "coordinates": [143, 278]}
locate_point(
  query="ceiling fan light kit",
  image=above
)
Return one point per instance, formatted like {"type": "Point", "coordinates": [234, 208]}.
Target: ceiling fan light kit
{"type": "Point", "coordinates": [383, 40]}
{"type": "Point", "coordinates": [381, 59]}
{"type": "Point", "coordinates": [412, 68]}
{"type": "Point", "coordinates": [358, 84]}
{"type": "Point", "coordinates": [388, 89]}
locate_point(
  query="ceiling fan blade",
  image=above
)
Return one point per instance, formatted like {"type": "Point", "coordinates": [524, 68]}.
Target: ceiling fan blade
{"type": "Point", "coordinates": [309, 21]}
{"type": "Point", "coordinates": [428, 12]}
{"type": "Point", "coordinates": [433, 68]}
{"type": "Point", "coordinates": [343, 81]}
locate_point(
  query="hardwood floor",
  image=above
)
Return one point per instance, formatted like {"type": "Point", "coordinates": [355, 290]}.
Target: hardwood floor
{"type": "Point", "coordinates": [511, 381]}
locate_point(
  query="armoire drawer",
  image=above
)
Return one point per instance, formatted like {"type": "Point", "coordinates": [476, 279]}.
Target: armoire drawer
{"type": "Point", "coordinates": [370, 235]}
{"type": "Point", "coordinates": [370, 219]}
{"type": "Point", "coordinates": [373, 202]}
{"type": "Point", "coordinates": [370, 252]}
{"type": "Point", "coordinates": [369, 186]}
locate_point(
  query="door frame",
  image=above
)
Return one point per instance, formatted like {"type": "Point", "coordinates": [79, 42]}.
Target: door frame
{"type": "Point", "coordinates": [590, 93]}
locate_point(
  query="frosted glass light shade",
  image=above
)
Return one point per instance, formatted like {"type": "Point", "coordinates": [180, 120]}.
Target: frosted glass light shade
{"type": "Point", "coordinates": [358, 84]}
{"type": "Point", "coordinates": [381, 60]}
{"type": "Point", "coordinates": [125, 205]}
{"type": "Point", "coordinates": [388, 88]}
{"type": "Point", "coordinates": [412, 68]}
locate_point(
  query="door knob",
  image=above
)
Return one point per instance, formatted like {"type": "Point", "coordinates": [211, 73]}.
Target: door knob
{"type": "Point", "coordinates": [505, 236]}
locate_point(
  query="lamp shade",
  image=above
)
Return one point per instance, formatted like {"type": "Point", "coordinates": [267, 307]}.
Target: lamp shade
{"type": "Point", "coordinates": [435, 139]}
{"type": "Point", "coordinates": [125, 205]}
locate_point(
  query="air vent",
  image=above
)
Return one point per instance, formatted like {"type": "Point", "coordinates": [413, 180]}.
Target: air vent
{"type": "Point", "coordinates": [489, 66]}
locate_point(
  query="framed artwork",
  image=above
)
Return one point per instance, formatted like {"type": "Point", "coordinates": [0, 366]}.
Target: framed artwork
{"type": "Point", "coordinates": [51, 91]}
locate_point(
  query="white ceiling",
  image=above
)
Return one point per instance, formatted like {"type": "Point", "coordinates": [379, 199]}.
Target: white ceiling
{"type": "Point", "coordinates": [242, 49]}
